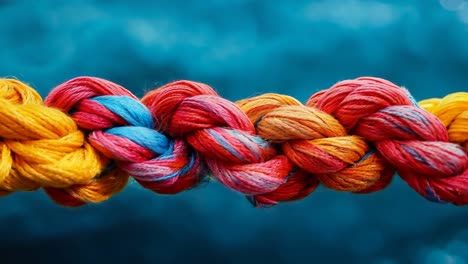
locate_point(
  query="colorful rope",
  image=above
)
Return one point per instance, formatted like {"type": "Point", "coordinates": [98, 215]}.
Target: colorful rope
{"type": "Point", "coordinates": [81, 144]}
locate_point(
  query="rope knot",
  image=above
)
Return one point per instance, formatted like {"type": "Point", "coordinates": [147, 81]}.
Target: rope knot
{"type": "Point", "coordinates": [410, 138]}
{"type": "Point", "coordinates": [316, 142]}
{"type": "Point", "coordinates": [121, 128]}
{"type": "Point", "coordinates": [221, 133]}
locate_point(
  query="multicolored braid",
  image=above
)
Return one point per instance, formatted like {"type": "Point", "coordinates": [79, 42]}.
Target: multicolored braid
{"type": "Point", "coordinates": [86, 139]}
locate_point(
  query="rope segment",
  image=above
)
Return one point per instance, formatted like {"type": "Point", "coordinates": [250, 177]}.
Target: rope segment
{"type": "Point", "coordinates": [89, 136]}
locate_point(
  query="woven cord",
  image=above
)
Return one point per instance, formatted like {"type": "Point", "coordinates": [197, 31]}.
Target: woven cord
{"type": "Point", "coordinates": [90, 136]}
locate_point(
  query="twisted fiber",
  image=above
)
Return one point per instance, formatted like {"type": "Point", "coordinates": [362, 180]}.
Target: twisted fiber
{"type": "Point", "coordinates": [90, 134]}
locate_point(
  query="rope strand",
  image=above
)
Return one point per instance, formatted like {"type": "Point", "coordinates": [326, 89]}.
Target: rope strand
{"type": "Point", "coordinates": [90, 135]}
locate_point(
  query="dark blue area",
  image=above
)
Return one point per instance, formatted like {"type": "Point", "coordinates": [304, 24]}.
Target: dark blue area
{"type": "Point", "coordinates": [241, 48]}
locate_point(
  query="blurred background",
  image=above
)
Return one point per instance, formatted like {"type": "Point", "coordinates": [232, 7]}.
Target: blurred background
{"type": "Point", "coordinates": [241, 48]}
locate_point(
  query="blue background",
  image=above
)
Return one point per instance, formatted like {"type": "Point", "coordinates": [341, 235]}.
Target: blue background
{"type": "Point", "coordinates": [241, 48]}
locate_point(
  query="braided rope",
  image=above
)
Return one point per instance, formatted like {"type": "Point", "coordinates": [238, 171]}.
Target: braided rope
{"type": "Point", "coordinates": [81, 144]}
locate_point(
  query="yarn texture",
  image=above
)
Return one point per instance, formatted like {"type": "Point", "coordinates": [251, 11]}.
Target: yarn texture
{"type": "Point", "coordinates": [89, 136]}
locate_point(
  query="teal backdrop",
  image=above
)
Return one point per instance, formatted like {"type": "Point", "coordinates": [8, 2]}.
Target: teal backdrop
{"type": "Point", "coordinates": [241, 48]}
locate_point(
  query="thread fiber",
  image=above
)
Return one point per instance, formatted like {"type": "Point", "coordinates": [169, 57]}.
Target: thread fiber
{"type": "Point", "coordinates": [90, 135]}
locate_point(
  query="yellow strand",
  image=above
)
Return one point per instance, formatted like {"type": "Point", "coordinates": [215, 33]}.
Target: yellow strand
{"type": "Point", "coordinates": [452, 110]}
